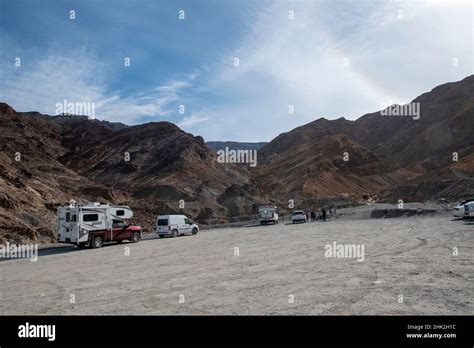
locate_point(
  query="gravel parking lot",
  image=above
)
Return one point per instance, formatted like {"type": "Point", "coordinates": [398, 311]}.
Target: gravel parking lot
{"type": "Point", "coordinates": [408, 267]}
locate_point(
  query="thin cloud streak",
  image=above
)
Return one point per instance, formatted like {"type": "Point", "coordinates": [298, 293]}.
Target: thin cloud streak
{"type": "Point", "coordinates": [333, 60]}
{"type": "Point", "coordinates": [83, 79]}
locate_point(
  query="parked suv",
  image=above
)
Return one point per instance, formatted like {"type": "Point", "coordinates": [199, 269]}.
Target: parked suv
{"type": "Point", "coordinates": [175, 225]}
{"type": "Point", "coordinates": [298, 216]}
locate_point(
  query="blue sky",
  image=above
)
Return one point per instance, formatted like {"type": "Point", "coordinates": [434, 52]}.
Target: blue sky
{"type": "Point", "coordinates": [332, 59]}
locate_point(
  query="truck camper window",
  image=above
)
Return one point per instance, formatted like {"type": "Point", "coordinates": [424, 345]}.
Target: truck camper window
{"type": "Point", "coordinates": [68, 217]}
{"type": "Point", "coordinates": [120, 212]}
{"type": "Point", "coordinates": [90, 217]}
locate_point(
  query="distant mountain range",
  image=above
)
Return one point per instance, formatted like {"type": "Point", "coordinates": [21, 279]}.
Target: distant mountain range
{"type": "Point", "coordinates": [393, 156]}
{"type": "Point", "coordinates": [153, 167]}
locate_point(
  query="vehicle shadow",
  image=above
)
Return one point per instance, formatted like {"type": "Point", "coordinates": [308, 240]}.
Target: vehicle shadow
{"type": "Point", "coordinates": [57, 250]}
{"type": "Point", "coordinates": [47, 252]}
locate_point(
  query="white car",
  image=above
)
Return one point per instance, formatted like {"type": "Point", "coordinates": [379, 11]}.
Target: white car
{"type": "Point", "coordinates": [469, 210]}
{"type": "Point", "coordinates": [175, 225]}
{"type": "Point", "coordinates": [298, 216]}
{"type": "Point", "coordinates": [459, 211]}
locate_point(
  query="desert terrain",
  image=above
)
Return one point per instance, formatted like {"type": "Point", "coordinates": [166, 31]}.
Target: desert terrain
{"type": "Point", "coordinates": [278, 269]}
{"type": "Point", "coordinates": [156, 167]}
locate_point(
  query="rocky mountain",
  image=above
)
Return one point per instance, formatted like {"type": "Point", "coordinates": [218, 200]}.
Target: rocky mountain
{"type": "Point", "coordinates": [33, 180]}
{"type": "Point", "coordinates": [158, 168]}
{"type": "Point", "coordinates": [402, 157]}
{"type": "Point", "coordinates": [161, 167]}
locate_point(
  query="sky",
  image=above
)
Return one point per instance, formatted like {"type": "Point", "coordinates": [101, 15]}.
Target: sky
{"type": "Point", "coordinates": [241, 70]}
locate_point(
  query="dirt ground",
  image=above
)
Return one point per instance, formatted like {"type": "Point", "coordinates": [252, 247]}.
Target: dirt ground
{"type": "Point", "coordinates": [408, 268]}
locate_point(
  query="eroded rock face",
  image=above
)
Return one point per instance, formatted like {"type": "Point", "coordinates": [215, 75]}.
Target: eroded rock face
{"type": "Point", "coordinates": [390, 154]}
{"type": "Point", "coordinates": [156, 168]}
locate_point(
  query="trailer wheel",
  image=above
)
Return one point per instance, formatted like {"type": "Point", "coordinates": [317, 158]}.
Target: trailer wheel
{"type": "Point", "coordinates": [195, 230]}
{"type": "Point", "coordinates": [97, 242]}
{"type": "Point", "coordinates": [135, 237]}
{"type": "Point", "coordinates": [175, 233]}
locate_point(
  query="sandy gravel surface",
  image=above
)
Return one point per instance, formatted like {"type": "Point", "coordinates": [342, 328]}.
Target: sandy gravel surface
{"type": "Point", "coordinates": [412, 257]}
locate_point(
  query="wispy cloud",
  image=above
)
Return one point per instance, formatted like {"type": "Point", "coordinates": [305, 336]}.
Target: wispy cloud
{"type": "Point", "coordinates": [334, 59]}
{"type": "Point", "coordinates": [82, 78]}
{"type": "Point", "coordinates": [190, 121]}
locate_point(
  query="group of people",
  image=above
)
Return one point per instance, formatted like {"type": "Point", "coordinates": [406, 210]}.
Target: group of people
{"type": "Point", "coordinates": [320, 214]}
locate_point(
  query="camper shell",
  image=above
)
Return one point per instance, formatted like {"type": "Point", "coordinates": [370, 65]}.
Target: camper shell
{"type": "Point", "coordinates": [95, 223]}
{"type": "Point", "coordinates": [268, 214]}
{"type": "Point", "coordinates": [175, 225]}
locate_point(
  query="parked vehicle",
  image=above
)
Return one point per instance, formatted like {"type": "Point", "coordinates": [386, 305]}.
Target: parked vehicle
{"type": "Point", "coordinates": [469, 210]}
{"type": "Point", "coordinates": [95, 224]}
{"type": "Point", "coordinates": [268, 215]}
{"type": "Point", "coordinates": [175, 225]}
{"type": "Point", "coordinates": [298, 216]}
{"type": "Point", "coordinates": [459, 211]}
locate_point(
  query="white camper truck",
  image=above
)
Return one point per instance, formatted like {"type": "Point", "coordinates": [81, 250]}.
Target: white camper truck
{"type": "Point", "coordinates": [175, 225]}
{"type": "Point", "coordinates": [95, 223]}
{"type": "Point", "coordinates": [268, 215]}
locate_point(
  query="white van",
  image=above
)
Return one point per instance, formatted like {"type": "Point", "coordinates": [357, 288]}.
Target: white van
{"type": "Point", "coordinates": [175, 225]}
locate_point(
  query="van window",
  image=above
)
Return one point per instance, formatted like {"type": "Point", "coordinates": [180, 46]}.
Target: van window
{"type": "Point", "coordinates": [120, 212]}
{"type": "Point", "coordinates": [187, 222]}
{"type": "Point", "coordinates": [68, 217]}
{"type": "Point", "coordinates": [162, 222]}
{"type": "Point", "coordinates": [90, 217]}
